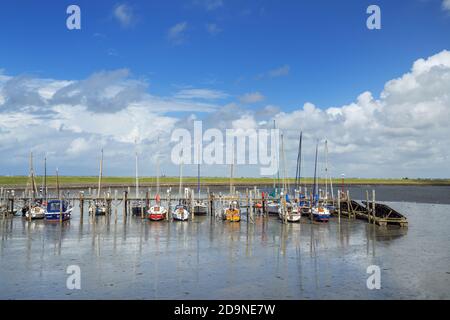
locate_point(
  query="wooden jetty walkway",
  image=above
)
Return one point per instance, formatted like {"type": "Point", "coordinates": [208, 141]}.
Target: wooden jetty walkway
{"type": "Point", "coordinates": [370, 211]}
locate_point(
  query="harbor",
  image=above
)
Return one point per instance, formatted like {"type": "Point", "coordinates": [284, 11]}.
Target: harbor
{"type": "Point", "coordinates": [208, 258]}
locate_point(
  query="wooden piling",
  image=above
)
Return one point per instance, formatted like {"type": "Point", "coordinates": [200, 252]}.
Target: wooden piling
{"type": "Point", "coordinates": [81, 205]}
{"type": "Point", "coordinates": [368, 207]}
{"type": "Point", "coordinates": [125, 203]}
{"type": "Point", "coordinates": [339, 206]}
{"type": "Point", "coordinates": [373, 206]}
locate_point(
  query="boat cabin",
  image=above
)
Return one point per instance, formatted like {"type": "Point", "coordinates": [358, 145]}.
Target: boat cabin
{"type": "Point", "coordinates": [57, 206]}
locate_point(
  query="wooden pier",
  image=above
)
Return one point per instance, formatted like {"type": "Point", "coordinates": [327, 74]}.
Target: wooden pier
{"type": "Point", "coordinates": [370, 211]}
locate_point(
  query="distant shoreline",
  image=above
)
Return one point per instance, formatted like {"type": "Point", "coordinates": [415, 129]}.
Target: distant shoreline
{"type": "Point", "coordinates": [72, 182]}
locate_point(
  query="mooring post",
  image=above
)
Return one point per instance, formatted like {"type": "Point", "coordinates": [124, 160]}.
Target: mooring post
{"type": "Point", "coordinates": [81, 205]}
{"type": "Point", "coordinates": [373, 206]}
{"type": "Point", "coordinates": [115, 206]}
{"type": "Point", "coordinates": [368, 206]}
{"type": "Point", "coordinates": [248, 202]}
{"type": "Point", "coordinates": [211, 204]}
{"type": "Point", "coordinates": [125, 203]}
{"type": "Point", "coordinates": [192, 203]}
{"type": "Point", "coordinates": [108, 204]}
{"type": "Point", "coordinates": [339, 206]}
{"type": "Point", "coordinates": [60, 207]}
{"type": "Point", "coordinates": [168, 205]}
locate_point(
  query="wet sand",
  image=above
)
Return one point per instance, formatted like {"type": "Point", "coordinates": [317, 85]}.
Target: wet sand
{"type": "Point", "coordinates": [209, 259]}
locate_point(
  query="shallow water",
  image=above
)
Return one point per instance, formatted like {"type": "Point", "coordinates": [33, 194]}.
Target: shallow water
{"type": "Point", "coordinates": [209, 259]}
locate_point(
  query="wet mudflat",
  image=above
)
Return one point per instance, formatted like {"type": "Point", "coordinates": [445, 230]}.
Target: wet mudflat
{"type": "Point", "coordinates": [212, 259]}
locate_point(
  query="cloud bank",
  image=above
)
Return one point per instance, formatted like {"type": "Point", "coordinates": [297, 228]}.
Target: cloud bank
{"type": "Point", "coordinates": [403, 132]}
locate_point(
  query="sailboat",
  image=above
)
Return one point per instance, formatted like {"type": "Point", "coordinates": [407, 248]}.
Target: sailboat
{"type": "Point", "coordinates": [232, 212]}
{"type": "Point", "coordinates": [319, 212]}
{"type": "Point", "coordinates": [157, 212]}
{"type": "Point", "coordinates": [33, 210]}
{"type": "Point", "coordinates": [273, 206]}
{"type": "Point", "coordinates": [180, 212]}
{"type": "Point", "coordinates": [137, 206]}
{"type": "Point", "coordinates": [98, 207]}
{"type": "Point", "coordinates": [303, 205]}
{"type": "Point", "coordinates": [200, 207]}
{"type": "Point", "coordinates": [328, 205]}
{"type": "Point", "coordinates": [289, 210]}
{"type": "Point", "coordinates": [58, 210]}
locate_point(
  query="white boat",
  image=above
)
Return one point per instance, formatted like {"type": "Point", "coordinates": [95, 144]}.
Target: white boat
{"type": "Point", "coordinates": [273, 207]}
{"type": "Point", "coordinates": [157, 212]}
{"type": "Point", "coordinates": [99, 207]}
{"type": "Point", "coordinates": [200, 208]}
{"type": "Point", "coordinates": [36, 212]}
{"type": "Point", "coordinates": [180, 213]}
{"type": "Point", "coordinates": [293, 213]}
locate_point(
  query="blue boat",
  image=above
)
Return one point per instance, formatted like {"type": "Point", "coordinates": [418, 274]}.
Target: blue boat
{"type": "Point", "coordinates": [56, 208]}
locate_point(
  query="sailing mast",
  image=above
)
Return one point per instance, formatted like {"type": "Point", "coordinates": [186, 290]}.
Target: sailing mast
{"type": "Point", "coordinates": [328, 171]}
{"type": "Point", "coordinates": [283, 159]}
{"type": "Point", "coordinates": [137, 174]}
{"type": "Point", "coordinates": [181, 178]}
{"type": "Point", "coordinates": [231, 171]}
{"type": "Point", "coordinates": [299, 161]}
{"type": "Point", "coordinates": [31, 178]}
{"type": "Point", "coordinates": [315, 173]}
{"type": "Point", "coordinates": [45, 178]}
{"type": "Point", "coordinates": [100, 176]}
{"type": "Point", "coordinates": [198, 175]}
{"type": "Point", "coordinates": [57, 184]}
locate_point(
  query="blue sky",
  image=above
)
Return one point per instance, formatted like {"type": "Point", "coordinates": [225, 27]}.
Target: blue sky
{"type": "Point", "coordinates": [331, 55]}
{"type": "Point", "coordinates": [228, 62]}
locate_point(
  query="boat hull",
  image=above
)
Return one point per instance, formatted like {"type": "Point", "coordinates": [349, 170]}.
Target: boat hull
{"type": "Point", "coordinates": [137, 211]}
{"type": "Point", "coordinates": [232, 215]}
{"type": "Point", "coordinates": [321, 218]}
{"type": "Point", "coordinates": [156, 216]}
{"type": "Point", "coordinates": [273, 209]}
{"type": "Point", "coordinates": [55, 217]}
{"type": "Point", "coordinates": [200, 210]}
{"type": "Point", "coordinates": [36, 213]}
{"type": "Point", "coordinates": [295, 217]}
{"type": "Point", "coordinates": [321, 214]}
{"type": "Point", "coordinates": [157, 213]}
